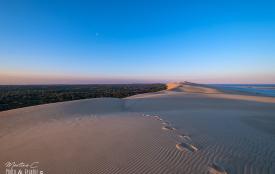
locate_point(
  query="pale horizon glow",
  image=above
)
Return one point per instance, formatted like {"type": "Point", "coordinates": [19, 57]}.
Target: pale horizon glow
{"type": "Point", "coordinates": [27, 79]}
{"type": "Point", "coordinates": [80, 42]}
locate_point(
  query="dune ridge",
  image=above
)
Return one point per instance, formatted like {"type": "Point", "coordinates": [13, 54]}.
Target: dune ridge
{"type": "Point", "coordinates": [191, 88]}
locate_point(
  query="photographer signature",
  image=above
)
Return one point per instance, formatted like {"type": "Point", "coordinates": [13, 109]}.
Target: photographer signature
{"type": "Point", "coordinates": [21, 165]}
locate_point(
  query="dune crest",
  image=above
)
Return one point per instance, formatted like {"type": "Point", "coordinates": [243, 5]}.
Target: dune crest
{"type": "Point", "coordinates": [189, 87]}
{"type": "Point", "coordinates": [171, 86]}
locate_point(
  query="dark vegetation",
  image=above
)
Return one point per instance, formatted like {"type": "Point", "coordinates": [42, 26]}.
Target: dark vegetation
{"type": "Point", "coordinates": [16, 96]}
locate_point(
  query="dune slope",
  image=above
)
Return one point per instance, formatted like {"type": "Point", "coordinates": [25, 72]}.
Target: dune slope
{"type": "Point", "coordinates": [188, 128]}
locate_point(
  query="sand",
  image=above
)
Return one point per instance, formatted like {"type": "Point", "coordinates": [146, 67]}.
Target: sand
{"type": "Point", "coordinates": [188, 128]}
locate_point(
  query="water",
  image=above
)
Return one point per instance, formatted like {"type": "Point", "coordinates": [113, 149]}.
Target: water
{"type": "Point", "coordinates": [259, 89]}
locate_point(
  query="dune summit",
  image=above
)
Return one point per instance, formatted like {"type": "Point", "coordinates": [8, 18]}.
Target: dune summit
{"type": "Point", "coordinates": [188, 128]}
{"type": "Point", "coordinates": [191, 88]}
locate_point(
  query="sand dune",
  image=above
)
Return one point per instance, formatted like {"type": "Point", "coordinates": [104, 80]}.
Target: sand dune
{"type": "Point", "coordinates": [171, 86]}
{"type": "Point", "coordinates": [191, 88]}
{"type": "Point", "coordinates": [206, 130]}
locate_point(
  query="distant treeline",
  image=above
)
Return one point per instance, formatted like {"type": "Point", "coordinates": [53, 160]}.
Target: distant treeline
{"type": "Point", "coordinates": [17, 96]}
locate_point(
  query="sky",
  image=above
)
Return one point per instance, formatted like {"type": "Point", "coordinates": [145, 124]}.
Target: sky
{"type": "Point", "coordinates": [136, 41]}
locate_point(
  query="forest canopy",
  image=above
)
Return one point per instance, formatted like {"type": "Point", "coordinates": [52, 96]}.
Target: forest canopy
{"type": "Point", "coordinates": [17, 96]}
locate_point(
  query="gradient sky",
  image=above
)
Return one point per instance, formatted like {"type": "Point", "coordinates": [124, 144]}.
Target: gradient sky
{"type": "Point", "coordinates": [116, 41]}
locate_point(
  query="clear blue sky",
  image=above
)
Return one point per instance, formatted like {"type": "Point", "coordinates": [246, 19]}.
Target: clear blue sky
{"type": "Point", "coordinates": [115, 41]}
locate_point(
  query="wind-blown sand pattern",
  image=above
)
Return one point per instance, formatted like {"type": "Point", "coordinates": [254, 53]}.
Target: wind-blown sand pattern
{"type": "Point", "coordinates": [212, 131]}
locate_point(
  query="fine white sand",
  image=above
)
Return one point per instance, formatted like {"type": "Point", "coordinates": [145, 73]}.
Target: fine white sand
{"type": "Point", "coordinates": [188, 128]}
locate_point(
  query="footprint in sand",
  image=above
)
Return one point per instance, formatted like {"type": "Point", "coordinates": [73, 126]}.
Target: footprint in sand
{"type": "Point", "coordinates": [186, 146]}
{"type": "Point", "coordinates": [165, 123]}
{"type": "Point", "coordinates": [157, 118]}
{"type": "Point", "coordinates": [216, 168]}
{"type": "Point", "coordinates": [185, 137]}
{"type": "Point", "coordinates": [168, 128]}
{"type": "Point", "coordinates": [180, 146]}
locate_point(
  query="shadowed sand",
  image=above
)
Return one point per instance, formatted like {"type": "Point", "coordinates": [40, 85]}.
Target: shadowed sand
{"type": "Point", "coordinates": [213, 131]}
